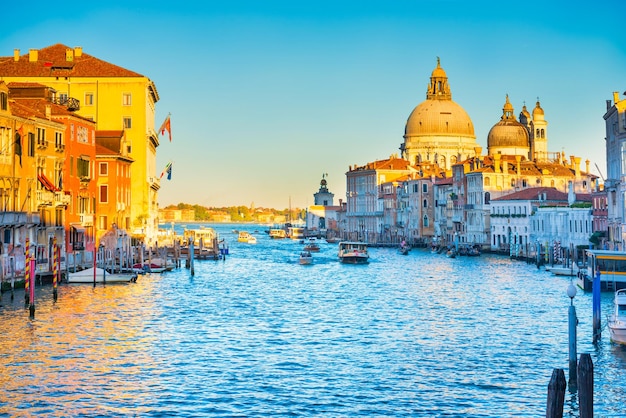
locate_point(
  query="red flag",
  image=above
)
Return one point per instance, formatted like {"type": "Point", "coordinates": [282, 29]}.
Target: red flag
{"type": "Point", "coordinates": [166, 126]}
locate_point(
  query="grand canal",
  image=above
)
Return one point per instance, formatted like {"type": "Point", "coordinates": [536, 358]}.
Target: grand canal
{"type": "Point", "coordinates": [260, 335]}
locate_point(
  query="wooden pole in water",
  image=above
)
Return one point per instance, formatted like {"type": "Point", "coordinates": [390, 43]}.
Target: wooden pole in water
{"type": "Point", "coordinates": [27, 272]}
{"type": "Point", "coordinates": [55, 268]}
{"type": "Point", "coordinates": [33, 269]}
{"type": "Point", "coordinates": [597, 331]}
{"type": "Point", "coordinates": [191, 252]}
{"type": "Point", "coordinates": [585, 386]}
{"type": "Point", "coordinates": [556, 394]}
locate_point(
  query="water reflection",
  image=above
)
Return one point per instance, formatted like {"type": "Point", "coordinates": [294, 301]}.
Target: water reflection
{"type": "Point", "coordinates": [260, 335]}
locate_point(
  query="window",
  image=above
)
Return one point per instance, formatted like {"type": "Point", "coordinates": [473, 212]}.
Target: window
{"type": "Point", "coordinates": [103, 222]}
{"type": "Point", "coordinates": [4, 101]}
{"type": "Point", "coordinates": [424, 188]}
{"type": "Point", "coordinates": [58, 141]}
{"type": "Point", "coordinates": [425, 203]}
{"type": "Point", "coordinates": [62, 98]}
{"type": "Point", "coordinates": [104, 169]}
{"type": "Point", "coordinates": [104, 193]}
{"type": "Point", "coordinates": [126, 99]}
{"type": "Point", "coordinates": [88, 99]}
{"type": "Point", "coordinates": [41, 137]}
{"type": "Point", "coordinates": [127, 122]}
{"type": "Point", "coordinates": [487, 181]}
{"type": "Point", "coordinates": [82, 168]}
{"type": "Point", "coordinates": [425, 221]}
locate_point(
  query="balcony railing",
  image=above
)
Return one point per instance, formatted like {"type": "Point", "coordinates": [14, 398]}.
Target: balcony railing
{"type": "Point", "coordinates": [61, 199]}
{"type": "Point", "coordinates": [44, 197]}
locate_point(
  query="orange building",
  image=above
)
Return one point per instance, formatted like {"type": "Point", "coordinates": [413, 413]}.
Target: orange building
{"type": "Point", "coordinates": [114, 183]}
{"type": "Point", "coordinates": [65, 168]}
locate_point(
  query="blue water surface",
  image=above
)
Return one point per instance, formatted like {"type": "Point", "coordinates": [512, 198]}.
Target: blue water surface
{"type": "Point", "coordinates": [261, 335]}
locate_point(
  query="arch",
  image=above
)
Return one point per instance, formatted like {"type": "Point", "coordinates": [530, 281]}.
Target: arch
{"type": "Point", "coordinates": [487, 198]}
{"type": "Point", "coordinates": [425, 221]}
{"type": "Point", "coordinates": [487, 181]}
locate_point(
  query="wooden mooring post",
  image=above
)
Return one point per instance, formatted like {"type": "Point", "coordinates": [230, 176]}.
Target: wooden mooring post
{"type": "Point", "coordinates": [585, 386]}
{"type": "Point", "coordinates": [556, 394]}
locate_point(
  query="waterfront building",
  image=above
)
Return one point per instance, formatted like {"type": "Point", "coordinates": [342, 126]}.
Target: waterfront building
{"type": "Point", "coordinates": [364, 202]}
{"type": "Point", "coordinates": [72, 183]}
{"type": "Point", "coordinates": [444, 227]}
{"type": "Point", "coordinates": [615, 122]}
{"type": "Point", "coordinates": [32, 175]}
{"type": "Point", "coordinates": [113, 182]}
{"type": "Point", "coordinates": [321, 217]}
{"type": "Point", "coordinates": [600, 211]}
{"type": "Point", "coordinates": [540, 214]}
{"type": "Point", "coordinates": [115, 99]}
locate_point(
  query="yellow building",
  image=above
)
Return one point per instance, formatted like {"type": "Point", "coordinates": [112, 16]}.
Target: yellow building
{"type": "Point", "coordinates": [116, 99]}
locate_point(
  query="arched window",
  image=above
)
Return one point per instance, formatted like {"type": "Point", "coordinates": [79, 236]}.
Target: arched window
{"type": "Point", "coordinates": [538, 133]}
{"type": "Point", "coordinates": [425, 203]}
{"type": "Point", "coordinates": [425, 221]}
{"type": "Point", "coordinates": [487, 181]}
{"type": "Point", "coordinates": [487, 198]}
{"type": "Point", "coordinates": [543, 133]}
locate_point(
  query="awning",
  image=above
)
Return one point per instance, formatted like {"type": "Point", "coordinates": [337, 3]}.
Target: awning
{"type": "Point", "coordinates": [45, 182]}
{"type": "Point", "coordinates": [78, 228]}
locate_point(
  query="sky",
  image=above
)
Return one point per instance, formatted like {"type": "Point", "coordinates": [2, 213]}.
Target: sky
{"type": "Point", "coordinates": [266, 97]}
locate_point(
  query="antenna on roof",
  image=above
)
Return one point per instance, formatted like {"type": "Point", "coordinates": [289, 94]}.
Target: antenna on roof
{"type": "Point", "coordinates": [598, 168]}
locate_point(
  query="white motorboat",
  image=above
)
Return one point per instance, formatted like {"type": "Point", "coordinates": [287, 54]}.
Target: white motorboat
{"type": "Point", "coordinates": [353, 252]}
{"type": "Point", "coordinates": [306, 257]}
{"type": "Point", "coordinates": [617, 320]}
{"type": "Point", "coordinates": [251, 239]}
{"type": "Point", "coordinates": [561, 270]}
{"type": "Point", "coordinates": [100, 276]}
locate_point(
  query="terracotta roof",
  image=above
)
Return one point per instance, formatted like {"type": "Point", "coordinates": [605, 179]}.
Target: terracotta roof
{"type": "Point", "coordinates": [37, 108]}
{"type": "Point", "coordinates": [551, 194]}
{"type": "Point", "coordinates": [52, 62]}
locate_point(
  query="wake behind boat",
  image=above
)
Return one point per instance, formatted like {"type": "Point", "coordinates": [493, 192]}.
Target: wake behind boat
{"type": "Point", "coordinates": [101, 276]}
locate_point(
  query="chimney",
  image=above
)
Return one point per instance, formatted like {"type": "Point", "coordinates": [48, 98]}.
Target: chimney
{"type": "Point", "coordinates": [587, 166]}
{"type": "Point", "coordinates": [576, 161]}
{"type": "Point", "coordinates": [16, 55]}
{"type": "Point", "coordinates": [496, 163]}
{"type": "Point", "coordinates": [78, 51]}
{"type": "Point", "coordinates": [69, 55]}
{"type": "Point", "coordinates": [478, 151]}
{"type": "Point", "coordinates": [48, 111]}
{"type": "Point", "coordinates": [518, 159]}
{"type": "Point", "coordinates": [33, 55]}
{"type": "Point", "coordinates": [505, 167]}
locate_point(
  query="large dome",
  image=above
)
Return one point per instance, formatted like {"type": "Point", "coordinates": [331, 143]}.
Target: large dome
{"type": "Point", "coordinates": [508, 136]}
{"type": "Point", "coordinates": [438, 130]}
{"type": "Point", "coordinates": [439, 117]}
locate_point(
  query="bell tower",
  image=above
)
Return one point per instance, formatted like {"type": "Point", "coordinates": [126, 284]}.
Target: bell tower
{"type": "Point", "coordinates": [324, 197]}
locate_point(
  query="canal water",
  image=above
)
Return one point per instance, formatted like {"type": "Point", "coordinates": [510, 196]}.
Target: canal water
{"type": "Point", "coordinates": [260, 335]}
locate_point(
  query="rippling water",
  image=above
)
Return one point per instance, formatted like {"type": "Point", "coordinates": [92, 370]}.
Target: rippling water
{"type": "Point", "coordinates": [261, 335]}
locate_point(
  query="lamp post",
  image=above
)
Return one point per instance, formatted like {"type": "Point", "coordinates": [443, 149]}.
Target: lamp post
{"type": "Point", "coordinates": [572, 322]}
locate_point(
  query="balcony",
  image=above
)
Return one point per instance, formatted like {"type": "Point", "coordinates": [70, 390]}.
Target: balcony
{"type": "Point", "coordinates": [61, 199]}
{"type": "Point", "coordinates": [70, 103]}
{"type": "Point", "coordinates": [84, 182]}
{"type": "Point", "coordinates": [44, 198]}
{"type": "Point", "coordinates": [86, 220]}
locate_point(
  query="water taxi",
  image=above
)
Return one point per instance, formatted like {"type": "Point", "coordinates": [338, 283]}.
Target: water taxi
{"type": "Point", "coordinates": [296, 232]}
{"type": "Point", "coordinates": [312, 245]}
{"type": "Point", "coordinates": [306, 257]}
{"type": "Point", "coordinates": [617, 320]}
{"type": "Point", "coordinates": [353, 252]}
{"type": "Point", "coordinates": [278, 233]}
{"type": "Point", "coordinates": [610, 265]}
{"type": "Point", "coordinates": [243, 236]}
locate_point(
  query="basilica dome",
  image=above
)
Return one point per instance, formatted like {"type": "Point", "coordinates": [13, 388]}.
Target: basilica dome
{"type": "Point", "coordinates": [438, 129]}
{"type": "Point", "coordinates": [439, 117]}
{"type": "Point", "coordinates": [508, 136]}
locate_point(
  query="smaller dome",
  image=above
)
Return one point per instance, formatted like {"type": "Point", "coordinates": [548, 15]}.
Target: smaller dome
{"type": "Point", "coordinates": [508, 132]}
{"type": "Point", "coordinates": [538, 110]}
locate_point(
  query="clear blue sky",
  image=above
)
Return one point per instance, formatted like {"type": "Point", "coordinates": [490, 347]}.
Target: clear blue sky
{"type": "Point", "coordinates": [266, 96]}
